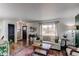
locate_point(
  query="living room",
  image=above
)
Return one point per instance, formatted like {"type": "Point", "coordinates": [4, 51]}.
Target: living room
{"type": "Point", "coordinates": [39, 29]}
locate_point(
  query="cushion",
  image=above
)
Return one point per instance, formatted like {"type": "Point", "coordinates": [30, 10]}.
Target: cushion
{"type": "Point", "coordinates": [46, 45]}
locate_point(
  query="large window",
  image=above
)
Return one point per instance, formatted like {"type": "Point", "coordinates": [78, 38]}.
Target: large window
{"type": "Point", "coordinates": [49, 30]}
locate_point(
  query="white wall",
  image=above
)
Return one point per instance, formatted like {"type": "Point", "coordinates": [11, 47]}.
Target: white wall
{"type": "Point", "coordinates": [32, 24]}
{"type": "Point", "coordinates": [8, 21]}
{"type": "Point", "coordinates": [4, 27]}
{"type": "Point", "coordinates": [1, 28]}
{"type": "Point", "coordinates": [61, 27]}
{"type": "Point", "coordinates": [64, 28]}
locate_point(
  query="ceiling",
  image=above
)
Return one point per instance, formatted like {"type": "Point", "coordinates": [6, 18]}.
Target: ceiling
{"type": "Point", "coordinates": [38, 11]}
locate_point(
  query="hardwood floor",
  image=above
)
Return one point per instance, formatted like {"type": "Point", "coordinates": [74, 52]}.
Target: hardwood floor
{"type": "Point", "coordinates": [51, 52]}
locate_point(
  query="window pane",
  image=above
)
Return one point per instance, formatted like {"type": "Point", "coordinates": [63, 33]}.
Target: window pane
{"type": "Point", "coordinates": [48, 30]}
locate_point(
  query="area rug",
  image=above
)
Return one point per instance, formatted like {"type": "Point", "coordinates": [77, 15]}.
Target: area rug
{"type": "Point", "coordinates": [25, 52]}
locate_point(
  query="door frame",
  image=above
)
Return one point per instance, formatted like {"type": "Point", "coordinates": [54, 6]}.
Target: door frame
{"type": "Point", "coordinates": [26, 33]}
{"type": "Point", "coordinates": [14, 31]}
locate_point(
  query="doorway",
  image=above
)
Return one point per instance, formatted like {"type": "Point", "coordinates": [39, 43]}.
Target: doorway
{"type": "Point", "coordinates": [24, 35]}
{"type": "Point", "coordinates": [11, 33]}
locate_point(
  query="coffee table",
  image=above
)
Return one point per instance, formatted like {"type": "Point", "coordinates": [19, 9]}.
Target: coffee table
{"type": "Point", "coordinates": [39, 50]}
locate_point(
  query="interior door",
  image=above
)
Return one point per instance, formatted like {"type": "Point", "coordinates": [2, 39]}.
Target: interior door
{"type": "Point", "coordinates": [24, 35]}
{"type": "Point", "coordinates": [11, 32]}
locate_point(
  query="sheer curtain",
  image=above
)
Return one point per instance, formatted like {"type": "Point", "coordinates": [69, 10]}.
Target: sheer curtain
{"type": "Point", "coordinates": [49, 31]}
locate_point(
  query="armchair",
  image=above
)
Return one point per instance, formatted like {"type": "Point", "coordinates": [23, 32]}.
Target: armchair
{"type": "Point", "coordinates": [72, 51]}
{"type": "Point", "coordinates": [75, 52]}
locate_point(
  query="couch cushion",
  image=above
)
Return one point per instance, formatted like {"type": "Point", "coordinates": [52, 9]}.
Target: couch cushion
{"type": "Point", "coordinates": [46, 45]}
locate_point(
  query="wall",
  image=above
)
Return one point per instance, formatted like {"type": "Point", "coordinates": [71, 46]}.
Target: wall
{"type": "Point", "coordinates": [62, 27]}
{"type": "Point", "coordinates": [65, 28]}
{"type": "Point", "coordinates": [29, 24]}
{"type": "Point", "coordinates": [4, 27]}
{"type": "Point", "coordinates": [32, 24]}
{"type": "Point", "coordinates": [1, 28]}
